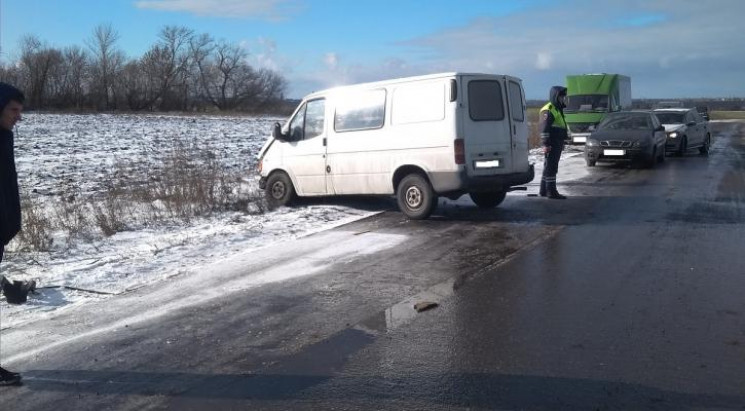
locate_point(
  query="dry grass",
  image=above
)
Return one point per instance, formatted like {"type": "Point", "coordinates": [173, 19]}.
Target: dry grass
{"type": "Point", "coordinates": [183, 182]}
{"type": "Point", "coordinates": [727, 115]}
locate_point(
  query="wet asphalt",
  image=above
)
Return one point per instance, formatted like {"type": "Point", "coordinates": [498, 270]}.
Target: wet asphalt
{"type": "Point", "coordinates": [628, 295]}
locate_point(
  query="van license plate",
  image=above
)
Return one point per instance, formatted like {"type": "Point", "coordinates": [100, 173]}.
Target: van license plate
{"type": "Point", "coordinates": [579, 139]}
{"type": "Point", "coordinates": [487, 164]}
{"type": "Point", "coordinates": [614, 152]}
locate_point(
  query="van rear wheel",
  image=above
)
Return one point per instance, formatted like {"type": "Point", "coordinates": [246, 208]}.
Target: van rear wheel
{"type": "Point", "coordinates": [279, 190]}
{"type": "Point", "coordinates": [488, 200]}
{"type": "Point", "coordinates": [415, 197]}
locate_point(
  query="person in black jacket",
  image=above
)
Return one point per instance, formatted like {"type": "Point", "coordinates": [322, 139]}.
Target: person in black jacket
{"type": "Point", "coordinates": [553, 130]}
{"type": "Point", "coordinates": [11, 105]}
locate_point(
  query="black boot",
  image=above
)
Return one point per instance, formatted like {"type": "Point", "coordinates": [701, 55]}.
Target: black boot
{"type": "Point", "coordinates": [542, 191]}
{"type": "Point", "coordinates": [9, 378]}
{"type": "Point", "coordinates": [553, 193]}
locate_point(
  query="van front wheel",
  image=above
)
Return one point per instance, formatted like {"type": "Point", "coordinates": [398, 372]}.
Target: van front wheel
{"type": "Point", "coordinates": [488, 200]}
{"type": "Point", "coordinates": [279, 190]}
{"type": "Point", "coordinates": [415, 197]}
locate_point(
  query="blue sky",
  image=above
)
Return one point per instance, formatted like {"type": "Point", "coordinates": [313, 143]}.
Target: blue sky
{"type": "Point", "coordinates": [670, 48]}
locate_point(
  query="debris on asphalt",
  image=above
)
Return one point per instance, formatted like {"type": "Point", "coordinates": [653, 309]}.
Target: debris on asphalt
{"type": "Point", "coordinates": [424, 305]}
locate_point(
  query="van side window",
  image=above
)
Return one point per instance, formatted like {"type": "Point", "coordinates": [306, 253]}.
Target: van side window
{"type": "Point", "coordinates": [309, 120]}
{"type": "Point", "coordinates": [516, 101]}
{"type": "Point", "coordinates": [360, 110]}
{"type": "Point", "coordinates": [297, 124]}
{"type": "Point", "coordinates": [314, 118]}
{"type": "Point", "coordinates": [485, 101]}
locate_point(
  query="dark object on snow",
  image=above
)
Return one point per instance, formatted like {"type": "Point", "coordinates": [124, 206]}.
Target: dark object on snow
{"type": "Point", "coordinates": [424, 305]}
{"type": "Point", "coordinates": [9, 378]}
{"type": "Point", "coordinates": [17, 291]}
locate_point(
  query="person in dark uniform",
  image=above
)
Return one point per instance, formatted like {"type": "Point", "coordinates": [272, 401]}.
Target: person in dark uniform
{"type": "Point", "coordinates": [11, 105]}
{"type": "Point", "coordinates": [553, 133]}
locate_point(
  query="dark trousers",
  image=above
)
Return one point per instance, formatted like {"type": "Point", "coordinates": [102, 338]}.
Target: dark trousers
{"type": "Point", "coordinates": [551, 162]}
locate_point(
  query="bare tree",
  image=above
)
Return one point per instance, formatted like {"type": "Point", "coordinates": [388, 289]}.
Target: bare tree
{"type": "Point", "coordinates": [75, 77]}
{"type": "Point", "coordinates": [136, 86]}
{"type": "Point", "coordinates": [226, 77]}
{"type": "Point", "coordinates": [174, 43]}
{"type": "Point", "coordinates": [38, 62]}
{"type": "Point", "coordinates": [181, 71]}
{"type": "Point", "coordinates": [107, 60]}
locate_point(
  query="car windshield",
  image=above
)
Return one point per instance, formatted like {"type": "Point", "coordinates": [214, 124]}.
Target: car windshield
{"type": "Point", "coordinates": [670, 117]}
{"type": "Point", "coordinates": [587, 102]}
{"type": "Point", "coordinates": [626, 121]}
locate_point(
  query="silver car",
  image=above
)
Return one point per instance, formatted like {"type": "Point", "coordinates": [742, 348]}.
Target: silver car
{"type": "Point", "coordinates": [686, 129]}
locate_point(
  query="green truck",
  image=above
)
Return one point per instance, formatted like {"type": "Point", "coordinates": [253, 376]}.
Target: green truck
{"type": "Point", "coordinates": [590, 96]}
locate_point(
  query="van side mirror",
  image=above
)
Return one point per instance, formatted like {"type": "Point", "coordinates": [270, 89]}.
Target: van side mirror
{"type": "Point", "coordinates": [277, 132]}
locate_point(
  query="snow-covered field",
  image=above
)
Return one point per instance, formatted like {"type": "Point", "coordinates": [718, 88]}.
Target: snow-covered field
{"type": "Point", "coordinates": [54, 151]}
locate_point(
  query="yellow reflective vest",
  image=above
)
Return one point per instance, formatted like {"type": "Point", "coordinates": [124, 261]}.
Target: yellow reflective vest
{"type": "Point", "coordinates": [559, 121]}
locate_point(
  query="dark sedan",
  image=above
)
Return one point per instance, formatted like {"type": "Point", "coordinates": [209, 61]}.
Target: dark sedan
{"type": "Point", "coordinates": [685, 129]}
{"type": "Point", "coordinates": [627, 136]}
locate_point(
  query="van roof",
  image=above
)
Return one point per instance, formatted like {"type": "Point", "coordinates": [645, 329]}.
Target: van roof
{"type": "Point", "coordinates": [403, 79]}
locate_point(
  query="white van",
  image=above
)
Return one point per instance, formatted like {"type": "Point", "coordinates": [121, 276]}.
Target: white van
{"type": "Point", "coordinates": [418, 138]}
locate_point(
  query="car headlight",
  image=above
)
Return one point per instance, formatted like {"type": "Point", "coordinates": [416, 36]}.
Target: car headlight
{"type": "Point", "coordinates": [640, 143]}
{"type": "Point", "coordinates": [591, 143]}
{"type": "Point", "coordinates": [673, 135]}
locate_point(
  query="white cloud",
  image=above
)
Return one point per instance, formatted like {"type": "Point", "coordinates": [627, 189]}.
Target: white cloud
{"type": "Point", "coordinates": [331, 60]}
{"type": "Point", "coordinates": [264, 55]}
{"type": "Point", "coordinates": [543, 61]}
{"type": "Point", "coordinates": [262, 9]}
{"type": "Point", "coordinates": [662, 44]}
{"type": "Point", "coordinates": [645, 39]}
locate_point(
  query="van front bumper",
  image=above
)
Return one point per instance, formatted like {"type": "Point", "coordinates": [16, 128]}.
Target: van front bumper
{"type": "Point", "coordinates": [460, 182]}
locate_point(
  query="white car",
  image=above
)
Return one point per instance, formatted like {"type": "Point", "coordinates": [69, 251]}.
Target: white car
{"type": "Point", "coordinates": [685, 129]}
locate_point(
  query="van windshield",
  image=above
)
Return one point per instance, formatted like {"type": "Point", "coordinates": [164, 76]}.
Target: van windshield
{"type": "Point", "coordinates": [587, 102]}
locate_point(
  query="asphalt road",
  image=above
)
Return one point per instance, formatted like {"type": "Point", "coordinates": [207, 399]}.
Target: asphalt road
{"type": "Point", "coordinates": [628, 295]}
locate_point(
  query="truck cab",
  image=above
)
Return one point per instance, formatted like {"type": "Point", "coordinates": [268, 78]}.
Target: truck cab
{"type": "Point", "coordinates": [589, 98]}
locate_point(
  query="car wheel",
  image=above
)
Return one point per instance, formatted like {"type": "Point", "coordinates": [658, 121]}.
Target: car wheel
{"type": "Point", "coordinates": [279, 190]}
{"type": "Point", "coordinates": [415, 197]}
{"type": "Point", "coordinates": [662, 155]}
{"type": "Point", "coordinates": [652, 160]}
{"type": "Point", "coordinates": [488, 200]}
{"type": "Point", "coordinates": [683, 147]}
{"type": "Point", "coordinates": [705, 148]}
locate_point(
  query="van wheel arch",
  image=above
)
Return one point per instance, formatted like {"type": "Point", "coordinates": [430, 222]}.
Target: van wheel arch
{"type": "Point", "coordinates": [404, 171]}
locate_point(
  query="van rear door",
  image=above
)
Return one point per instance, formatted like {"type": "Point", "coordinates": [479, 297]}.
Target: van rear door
{"type": "Point", "coordinates": [486, 130]}
{"type": "Point", "coordinates": [519, 124]}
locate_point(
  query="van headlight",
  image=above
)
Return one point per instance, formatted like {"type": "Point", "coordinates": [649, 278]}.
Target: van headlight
{"type": "Point", "coordinates": [673, 134]}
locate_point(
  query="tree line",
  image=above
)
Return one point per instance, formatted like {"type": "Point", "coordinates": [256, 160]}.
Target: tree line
{"type": "Point", "coordinates": [182, 71]}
